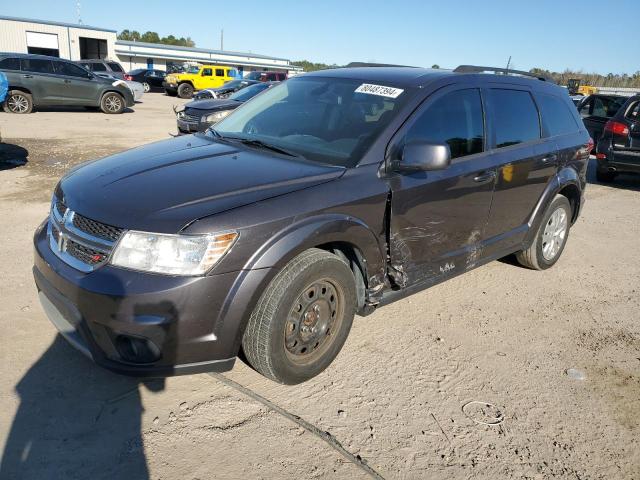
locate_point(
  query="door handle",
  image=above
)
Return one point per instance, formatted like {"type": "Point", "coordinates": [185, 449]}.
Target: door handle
{"type": "Point", "coordinates": [484, 176]}
{"type": "Point", "coordinates": [67, 81]}
{"type": "Point", "coordinates": [27, 76]}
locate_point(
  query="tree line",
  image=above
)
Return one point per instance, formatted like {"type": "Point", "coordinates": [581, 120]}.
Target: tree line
{"type": "Point", "coordinates": [153, 37]}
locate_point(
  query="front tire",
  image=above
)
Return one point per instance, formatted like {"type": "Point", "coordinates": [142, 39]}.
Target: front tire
{"type": "Point", "coordinates": [112, 103]}
{"type": "Point", "coordinates": [550, 238]}
{"type": "Point", "coordinates": [146, 87]}
{"type": "Point", "coordinates": [18, 102]}
{"type": "Point", "coordinates": [302, 319]}
{"type": "Point", "coordinates": [185, 90]}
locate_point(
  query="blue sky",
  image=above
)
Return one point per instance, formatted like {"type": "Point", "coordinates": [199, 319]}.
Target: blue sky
{"type": "Point", "coordinates": [553, 34]}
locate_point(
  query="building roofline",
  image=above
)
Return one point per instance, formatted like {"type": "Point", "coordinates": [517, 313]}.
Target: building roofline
{"type": "Point", "coordinates": [195, 49]}
{"type": "Point", "coordinates": [57, 24]}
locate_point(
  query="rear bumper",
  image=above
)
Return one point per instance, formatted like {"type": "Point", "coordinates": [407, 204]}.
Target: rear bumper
{"type": "Point", "coordinates": [142, 324]}
{"type": "Point", "coordinates": [170, 87]}
{"type": "Point", "coordinates": [617, 160]}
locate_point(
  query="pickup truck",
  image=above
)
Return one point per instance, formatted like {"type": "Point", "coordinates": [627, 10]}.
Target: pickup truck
{"type": "Point", "coordinates": [197, 78]}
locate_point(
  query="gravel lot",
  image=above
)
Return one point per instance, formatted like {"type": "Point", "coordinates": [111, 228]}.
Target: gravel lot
{"type": "Point", "coordinates": [395, 403]}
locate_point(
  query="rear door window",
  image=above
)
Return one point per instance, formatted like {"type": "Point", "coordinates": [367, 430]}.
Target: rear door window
{"type": "Point", "coordinates": [556, 116]}
{"type": "Point", "coordinates": [10, 64]}
{"type": "Point", "coordinates": [515, 117]}
{"type": "Point", "coordinates": [455, 119]}
{"type": "Point", "coordinates": [36, 65]}
{"type": "Point", "coordinates": [70, 70]}
{"type": "Point", "coordinates": [219, 72]}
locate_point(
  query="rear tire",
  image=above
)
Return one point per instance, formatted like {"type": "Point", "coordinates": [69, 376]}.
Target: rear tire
{"type": "Point", "coordinates": [302, 319]}
{"type": "Point", "coordinates": [18, 102]}
{"type": "Point", "coordinates": [604, 176]}
{"type": "Point", "coordinates": [112, 103]}
{"type": "Point", "coordinates": [185, 90]}
{"type": "Point", "coordinates": [146, 87]}
{"type": "Point", "coordinates": [551, 237]}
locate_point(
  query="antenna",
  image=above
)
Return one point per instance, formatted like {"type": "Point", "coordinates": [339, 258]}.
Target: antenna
{"type": "Point", "coordinates": [78, 7]}
{"type": "Point", "coordinates": [508, 63]}
{"type": "Point", "coordinates": [222, 39]}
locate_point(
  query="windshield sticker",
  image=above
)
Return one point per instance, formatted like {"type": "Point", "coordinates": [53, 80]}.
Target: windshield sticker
{"type": "Point", "coordinates": [379, 90]}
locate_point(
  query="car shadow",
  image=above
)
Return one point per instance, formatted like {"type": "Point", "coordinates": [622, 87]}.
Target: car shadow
{"type": "Point", "coordinates": [623, 180]}
{"type": "Point", "coordinates": [12, 156]}
{"type": "Point", "coordinates": [77, 110]}
{"type": "Point", "coordinates": [76, 420]}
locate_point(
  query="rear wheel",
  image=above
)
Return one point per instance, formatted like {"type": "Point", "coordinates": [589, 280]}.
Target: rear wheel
{"type": "Point", "coordinates": [18, 102]}
{"type": "Point", "coordinates": [551, 237]}
{"type": "Point", "coordinates": [146, 87]}
{"type": "Point", "coordinates": [112, 103]}
{"type": "Point", "coordinates": [302, 319]}
{"type": "Point", "coordinates": [185, 90]}
{"type": "Point", "coordinates": [604, 177]}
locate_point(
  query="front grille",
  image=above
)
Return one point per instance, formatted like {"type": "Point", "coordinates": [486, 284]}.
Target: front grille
{"type": "Point", "coordinates": [85, 254]}
{"type": "Point", "coordinates": [192, 116]}
{"type": "Point", "coordinates": [61, 207]}
{"type": "Point", "coordinates": [97, 229]}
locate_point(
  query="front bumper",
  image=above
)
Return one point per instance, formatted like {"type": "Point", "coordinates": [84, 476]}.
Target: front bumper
{"type": "Point", "coordinates": [143, 324]}
{"type": "Point", "coordinates": [170, 87]}
{"type": "Point", "coordinates": [186, 127]}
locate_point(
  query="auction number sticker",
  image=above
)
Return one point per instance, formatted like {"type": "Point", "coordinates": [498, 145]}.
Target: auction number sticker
{"type": "Point", "coordinates": [379, 90]}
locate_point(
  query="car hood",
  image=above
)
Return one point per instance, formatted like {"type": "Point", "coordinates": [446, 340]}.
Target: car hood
{"type": "Point", "coordinates": [212, 104]}
{"type": "Point", "coordinates": [164, 186]}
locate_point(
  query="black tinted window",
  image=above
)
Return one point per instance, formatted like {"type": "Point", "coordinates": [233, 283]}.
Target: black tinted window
{"type": "Point", "coordinates": [606, 107]}
{"type": "Point", "coordinates": [64, 68]}
{"type": "Point", "coordinates": [515, 117]}
{"type": "Point", "coordinates": [219, 72]}
{"type": "Point", "coordinates": [97, 67]}
{"type": "Point", "coordinates": [206, 72]}
{"type": "Point", "coordinates": [455, 119]}
{"type": "Point", "coordinates": [9, 64]}
{"type": "Point", "coordinates": [115, 67]}
{"type": "Point", "coordinates": [36, 65]}
{"type": "Point", "coordinates": [556, 116]}
{"type": "Point", "coordinates": [633, 112]}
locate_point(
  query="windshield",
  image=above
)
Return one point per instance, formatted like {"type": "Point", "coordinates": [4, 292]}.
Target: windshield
{"type": "Point", "coordinates": [193, 69]}
{"type": "Point", "coordinates": [328, 120]}
{"type": "Point", "coordinates": [249, 92]}
{"type": "Point", "coordinates": [253, 76]}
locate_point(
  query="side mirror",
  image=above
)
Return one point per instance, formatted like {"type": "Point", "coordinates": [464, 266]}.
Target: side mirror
{"type": "Point", "coordinates": [421, 156]}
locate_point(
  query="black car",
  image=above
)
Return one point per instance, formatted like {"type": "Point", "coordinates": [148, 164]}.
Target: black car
{"type": "Point", "coordinates": [330, 194]}
{"type": "Point", "coordinates": [618, 149]}
{"type": "Point", "coordinates": [597, 109]}
{"type": "Point", "coordinates": [199, 115]}
{"type": "Point", "coordinates": [150, 79]}
{"type": "Point", "coordinates": [39, 80]}
{"type": "Point", "coordinates": [223, 91]}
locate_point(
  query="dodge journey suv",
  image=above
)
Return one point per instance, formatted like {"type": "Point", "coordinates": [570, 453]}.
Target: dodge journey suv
{"type": "Point", "coordinates": [329, 195]}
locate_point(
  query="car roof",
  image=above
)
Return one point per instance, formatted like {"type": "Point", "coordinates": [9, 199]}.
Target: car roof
{"type": "Point", "coordinates": [418, 77]}
{"type": "Point", "coordinates": [31, 55]}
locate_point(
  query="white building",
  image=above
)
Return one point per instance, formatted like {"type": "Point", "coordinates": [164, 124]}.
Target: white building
{"type": "Point", "coordinates": [79, 42]}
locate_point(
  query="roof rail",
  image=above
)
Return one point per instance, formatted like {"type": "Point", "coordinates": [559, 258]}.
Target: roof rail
{"type": "Point", "coordinates": [504, 71]}
{"type": "Point", "coordinates": [369, 64]}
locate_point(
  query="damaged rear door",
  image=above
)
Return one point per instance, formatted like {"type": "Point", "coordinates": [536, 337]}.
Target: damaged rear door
{"type": "Point", "coordinates": [437, 218]}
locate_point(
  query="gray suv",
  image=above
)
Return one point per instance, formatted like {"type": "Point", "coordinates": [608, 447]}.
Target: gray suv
{"type": "Point", "coordinates": [104, 66]}
{"type": "Point", "coordinates": [38, 81]}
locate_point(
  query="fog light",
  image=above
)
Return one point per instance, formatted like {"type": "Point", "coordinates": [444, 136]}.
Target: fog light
{"type": "Point", "coordinates": [137, 349]}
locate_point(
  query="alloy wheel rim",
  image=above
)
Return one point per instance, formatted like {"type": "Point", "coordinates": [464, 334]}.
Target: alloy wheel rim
{"type": "Point", "coordinates": [18, 103]}
{"type": "Point", "coordinates": [113, 103]}
{"type": "Point", "coordinates": [146, 87]}
{"type": "Point", "coordinates": [554, 234]}
{"type": "Point", "coordinates": [313, 319]}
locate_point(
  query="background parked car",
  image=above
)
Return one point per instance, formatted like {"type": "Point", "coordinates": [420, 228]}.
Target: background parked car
{"type": "Point", "coordinates": [136, 87]}
{"type": "Point", "coordinates": [104, 66]}
{"type": "Point", "coordinates": [618, 149]}
{"type": "Point", "coordinates": [225, 90]}
{"type": "Point", "coordinates": [597, 109]}
{"type": "Point", "coordinates": [150, 79]}
{"type": "Point", "coordinates": [266, 76]}
{"type": "Point", "coordinates": [199, 115]}
{"type": "Point", "coordinates": [38, 80]}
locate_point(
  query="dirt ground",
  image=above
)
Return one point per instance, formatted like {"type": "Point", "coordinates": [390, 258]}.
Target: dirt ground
{"type": "Point", "coordinates": [396, 402]}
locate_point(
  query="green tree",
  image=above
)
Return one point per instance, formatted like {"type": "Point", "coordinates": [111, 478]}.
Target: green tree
{"type": "Point", "coordinates": [153, 37]}
{"type": "Point", "coordinates": [435, 65]}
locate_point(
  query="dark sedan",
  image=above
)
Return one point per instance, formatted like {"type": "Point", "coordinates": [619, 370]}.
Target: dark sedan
{"type": "Point", "coordinates": [150, 79]}
{"type": "Point", "coordinates": [199, 115]}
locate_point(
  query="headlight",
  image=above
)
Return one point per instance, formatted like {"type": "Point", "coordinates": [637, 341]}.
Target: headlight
{"type": "Point", "coordinates": [171, 254]}
{"type": "Point", "coordinates": [215, 117]}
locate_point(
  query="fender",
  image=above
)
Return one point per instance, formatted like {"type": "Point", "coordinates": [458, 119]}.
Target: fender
{"type": "Point", "coordinates": [565, 177]}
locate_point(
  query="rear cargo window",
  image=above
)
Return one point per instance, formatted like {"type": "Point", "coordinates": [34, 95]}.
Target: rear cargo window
{"type": "Point", "coordinates": [115, 67]}
{"type": "Point", "coordinates": [515, 117]}
{"type": "Point", "coordinates": [455, 119]}
{"type": "Point", "coordinates": [556, 116]}
{"type": "Point", "coordinates": [36, 65]}
{"type": "Point", "coordinates": [9, 64]}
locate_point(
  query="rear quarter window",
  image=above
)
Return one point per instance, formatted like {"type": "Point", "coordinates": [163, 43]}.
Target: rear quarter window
{"type": "Point", "coordinates": [115, 67]}
{"type": "Point", "coordinates": [557, 118]}
{"type": "Point", "coordinates": [10, 64]}
{"type": "Point", "coordinates": [633, 112]}
{"type": "Point", "coordinates": [97, 67]}
{"type": "Point", "coordinates": [515, 117]}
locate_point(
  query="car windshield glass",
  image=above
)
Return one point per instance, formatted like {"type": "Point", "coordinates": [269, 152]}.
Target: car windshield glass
{"type": "Point", "coordinates": [328, 120]}
{"type": "Point", "coordinates": [249, 92]}
{"type": "Point", "coordinates": [193, 69]}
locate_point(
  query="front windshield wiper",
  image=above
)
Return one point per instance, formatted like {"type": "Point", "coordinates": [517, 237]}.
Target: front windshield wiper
{"type": "Point", "coordinates": [252, 142]}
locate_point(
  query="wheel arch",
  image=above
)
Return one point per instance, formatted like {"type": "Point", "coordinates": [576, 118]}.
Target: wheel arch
{"type": "Point", "coordinates": [22, 89]}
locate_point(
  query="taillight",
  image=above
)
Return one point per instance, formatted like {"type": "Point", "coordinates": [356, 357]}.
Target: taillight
{"type": "Point", "coordinates": [601, 156]}
{"type": "Point", "coordinates": [616, 128]}
{"type": "Point", "coordinates": [128, 77]}
{"type": "Point", "coordinates": [590, 144]}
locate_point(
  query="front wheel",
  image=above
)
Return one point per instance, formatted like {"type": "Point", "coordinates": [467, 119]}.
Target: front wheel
{"type": "Point", "coordinates": [302, 319]}
{"type": "Point", "coordinates": [551, 236]}
{"type": "Point", "coordinates": [185, 90]}
{"type": "Point", "coordinates": [112, 103]}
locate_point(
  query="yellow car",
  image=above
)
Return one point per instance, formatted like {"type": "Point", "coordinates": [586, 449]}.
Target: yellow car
{"type": "Point", "coordinates": [197, 78]}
